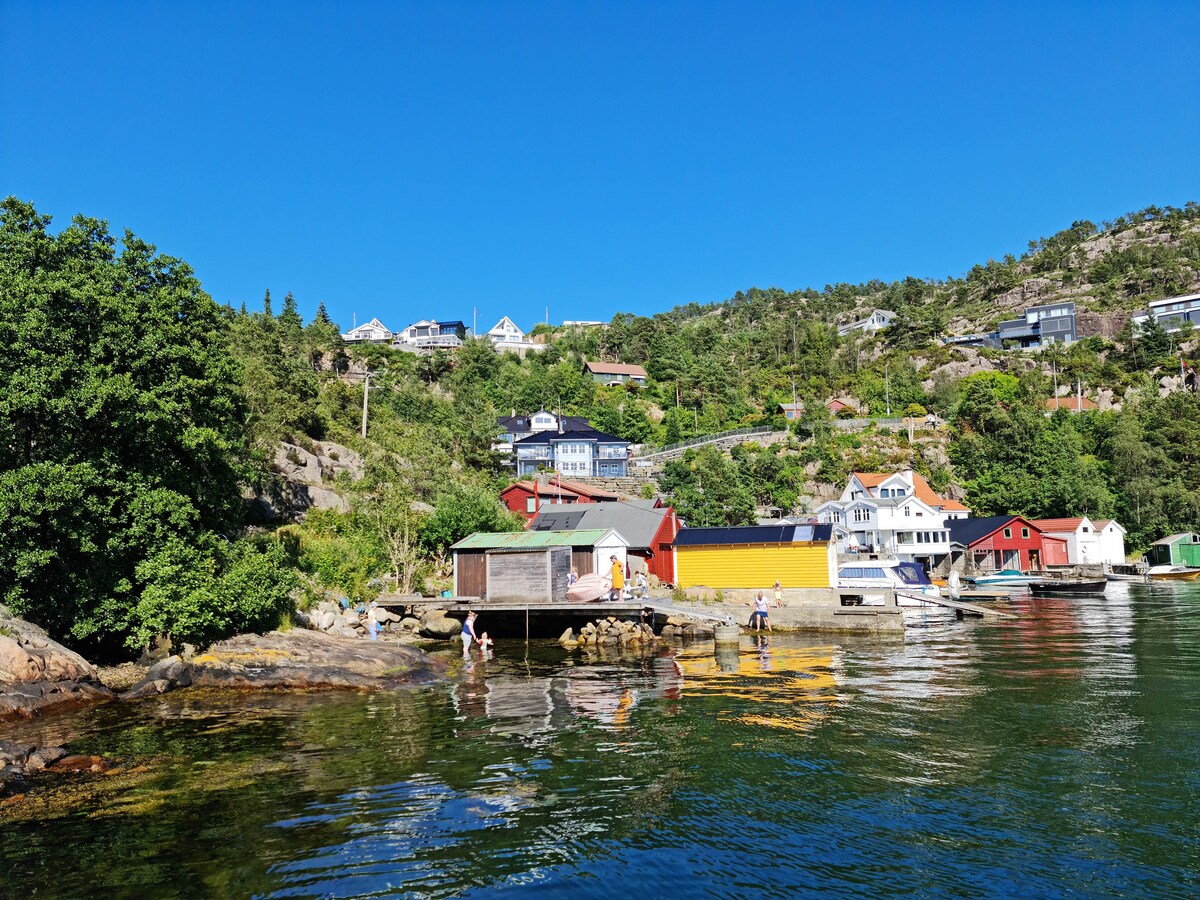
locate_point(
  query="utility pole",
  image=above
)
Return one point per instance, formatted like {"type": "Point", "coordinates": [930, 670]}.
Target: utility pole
{"type": "Point", "coordinates": [887, 390]}
{"type": "Point", "coordinates": [366, 393]}
{"type": "Point", "coordinates": [474, 316]}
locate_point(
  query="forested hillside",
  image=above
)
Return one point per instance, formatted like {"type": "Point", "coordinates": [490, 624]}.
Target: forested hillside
{"type": "Point", "coordinates": [141, 422]}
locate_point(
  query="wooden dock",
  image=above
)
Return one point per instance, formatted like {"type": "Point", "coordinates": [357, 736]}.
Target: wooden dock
{"type": "Point", "coordinates": [963, 608]}
{"type": "Point", "coordinates": [463, 605]}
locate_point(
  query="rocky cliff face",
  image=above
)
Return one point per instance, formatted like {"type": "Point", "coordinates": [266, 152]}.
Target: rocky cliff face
{"type": "Point", "coordinates": [305, 479]}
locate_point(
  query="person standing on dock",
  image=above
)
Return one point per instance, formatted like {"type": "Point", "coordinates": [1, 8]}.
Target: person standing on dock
{"type": "Point", "coordinates": [616, 579]}
{"type": "Point", "coordinates": [759, 616]}
{"type": "Point", "coordinates": [954, 583]}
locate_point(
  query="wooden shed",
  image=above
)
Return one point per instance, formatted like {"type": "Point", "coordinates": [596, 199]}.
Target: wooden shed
{"type": "Point", "coordinates": [801, 556]}
{"type": "Point", "coordinates": [530, 566]}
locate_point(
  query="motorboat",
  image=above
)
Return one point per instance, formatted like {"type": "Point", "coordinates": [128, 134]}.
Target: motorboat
{"type": "Point", "coordinates": [1068, 587]}
{"type": "Point", "coordinates": [1173, 573]}
{"type": "Point", "coordinates": [878, 577]}
{"type": "Point", "coordinates": [1004, 578]}
{"type": "Point", "coordinates": [1124, 573]}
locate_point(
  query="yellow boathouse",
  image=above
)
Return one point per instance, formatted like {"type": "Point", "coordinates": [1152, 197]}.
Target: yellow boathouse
{"type": "Point", "coordinates": [755, 556]}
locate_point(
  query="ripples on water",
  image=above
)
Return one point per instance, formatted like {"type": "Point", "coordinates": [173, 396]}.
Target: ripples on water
{"type": "Point", "coordinates": [1049, 755]}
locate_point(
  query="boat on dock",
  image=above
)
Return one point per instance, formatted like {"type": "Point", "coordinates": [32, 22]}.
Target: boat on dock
{"type": "Point", "coordinates": [879, 577]}
{"type": "Point", "coordinates": [1068, 587]}
{"type": "Point", "coordinates": [1173, 573]}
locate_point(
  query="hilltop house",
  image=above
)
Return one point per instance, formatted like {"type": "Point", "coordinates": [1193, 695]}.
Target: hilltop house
{"type": "Point", "coordinates": [507, 336]}
{"type": "Point", "coordinates": [876, 321]}
{"type": "Point", "coordinates": [897, 513]}
{"type": "Point", "coordinates": [1172, 313]}
{"type": "Point", "coordinates": [581, 452]}
{"type": "Point", "coordinates": [373, 332]}
{"type": "Point", "coordinates": [647, 525]}
{"type": "Point", "coordinates": [1088, 542]}
{"type": "Point", "coordinates": [1003, 542]}
{"type": "Point", "coordinates": [515, 427]}
{"type": "Point", "coordinates": [528, 498]}
{"type": "Point", "coordinates": [429, 334]}
{"type": "Point", "coordinates": [615, 373]}
{"type": "Point", "coordinates": [1052, 323]}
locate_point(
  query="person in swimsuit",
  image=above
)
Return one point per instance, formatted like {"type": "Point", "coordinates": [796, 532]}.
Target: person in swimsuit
{"type": "Point", "coordinates": [468, 632]}
{"type": "Point", "coordinates": [759, 616]}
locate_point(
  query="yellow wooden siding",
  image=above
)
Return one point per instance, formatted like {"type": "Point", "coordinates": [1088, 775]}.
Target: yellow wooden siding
{"type": "Point", "coordinates": [756, 565]}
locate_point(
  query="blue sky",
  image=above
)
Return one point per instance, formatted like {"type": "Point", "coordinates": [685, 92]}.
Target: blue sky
{"type": "Point", "coordinates": [415, 160]}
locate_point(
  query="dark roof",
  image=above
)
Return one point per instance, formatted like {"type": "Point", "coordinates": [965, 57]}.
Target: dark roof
{"type": "Point", "coordinates": [753, 534]}
{"type": "Point", "coordinates": [518, 424]}
{"type": "Point", "coordinates": [636, 521]}
{"type": "Point", "coordinates": [576, 434]}
{"type": "Point", "coordinates": [968, 531]}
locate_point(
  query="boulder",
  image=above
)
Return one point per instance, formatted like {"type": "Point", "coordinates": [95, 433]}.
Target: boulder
{"type": "Point", "coordinates": [325, 620]}
{"type": "Point", "coordinates": [163, 676]}
{"type": "Point", "coordinates": [408, 623]}
{"type": "Point", "coordinates": [567, 637]}
{"type": "Point", "coordinates": [383, 616]}
{"type": "Point", "coordinates": [440, 626]}
{"type": "Point", "coordinates": [37, 672]}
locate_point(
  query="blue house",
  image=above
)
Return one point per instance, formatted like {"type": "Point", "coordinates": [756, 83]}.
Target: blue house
{"type": "Point", "coordinates": [573, 452]}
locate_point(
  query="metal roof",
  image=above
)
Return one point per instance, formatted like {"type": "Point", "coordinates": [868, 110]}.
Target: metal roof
{"type": "Point", "coordinates": [635, 521]}
{"type": "Point", "coordinates": [753, 534]}
{"type": "Point", "coordinates": [527, 540]}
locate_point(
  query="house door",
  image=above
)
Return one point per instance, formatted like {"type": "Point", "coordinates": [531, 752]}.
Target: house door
{"type": "Point", "coordinates": [1012, 559]}
{"type": "Point", "coordinates": [1035, 559]}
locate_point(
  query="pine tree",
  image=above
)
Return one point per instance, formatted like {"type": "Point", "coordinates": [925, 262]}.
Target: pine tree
{"type": "Point", "coordinates": [289, 318]}
{"type": "Point", "coordinates": [267, 305]}
{"type": "Point", "coordinates": [322, 316]}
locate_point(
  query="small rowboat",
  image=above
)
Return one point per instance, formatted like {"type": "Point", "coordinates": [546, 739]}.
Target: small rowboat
{"type": "Point", "coordinates": [1068, 587]}
{"type": "Point", "coordinates": [1173, 573]}
{"type": "Point", "coordinates": [1125, 573]}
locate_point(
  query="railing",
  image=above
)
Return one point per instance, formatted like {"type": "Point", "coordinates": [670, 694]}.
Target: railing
{"type": "Point", "coordinates": [705, 439]}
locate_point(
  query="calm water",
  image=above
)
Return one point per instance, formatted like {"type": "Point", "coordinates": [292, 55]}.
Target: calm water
{"type": "Point", "coordinates": [1054, 755]}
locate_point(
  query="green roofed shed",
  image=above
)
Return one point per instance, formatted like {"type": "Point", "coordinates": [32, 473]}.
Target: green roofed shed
{"type": "Point", "coordinates": [532, 566]}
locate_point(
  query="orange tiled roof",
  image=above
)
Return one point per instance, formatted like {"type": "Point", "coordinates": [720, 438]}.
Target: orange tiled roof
{"type": "Point", "coordinates": [921, 490]}
{"type": "Point", "coordinates": [1075, 404]}
{"type": "Point", "coordinates": [1059, 525]}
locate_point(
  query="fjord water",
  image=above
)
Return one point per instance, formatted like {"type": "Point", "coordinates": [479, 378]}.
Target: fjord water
{"type": "Point", "coordinates": [1056, 754]}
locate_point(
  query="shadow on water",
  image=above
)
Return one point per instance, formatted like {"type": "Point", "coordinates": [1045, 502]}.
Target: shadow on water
{"type": "Point", "coordinates": [1056, 753]}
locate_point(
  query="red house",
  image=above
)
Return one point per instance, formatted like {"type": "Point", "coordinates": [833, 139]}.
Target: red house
{"type": "Point", "coordinates": [1005, 542]}
{"type": "Point", "coordinates": [528, 497]}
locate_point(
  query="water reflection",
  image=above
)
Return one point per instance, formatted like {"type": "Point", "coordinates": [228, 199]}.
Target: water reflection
{"type": "Point", "coordinates": [1049, 755]}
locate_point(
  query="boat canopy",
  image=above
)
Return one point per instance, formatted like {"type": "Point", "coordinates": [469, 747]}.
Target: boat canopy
{"type": "Point", "coordinates": [912, 573]}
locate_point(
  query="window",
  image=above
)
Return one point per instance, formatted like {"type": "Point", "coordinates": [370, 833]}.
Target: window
{"type": "Point", "coordinates": [862, 515]}
{"type": "Point", "coordinates": [907, 511]}
{"type": "Point", "coordinates": [531, 504]}
{"type": "Point", "coordinates": [1085, 529]}
{"type": "Point", "coordinates": [1008, 532]}
{"type": "Point", "coordinates": [1025, 532]}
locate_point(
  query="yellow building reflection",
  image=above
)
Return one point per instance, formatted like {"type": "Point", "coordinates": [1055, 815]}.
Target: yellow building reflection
{"type": "Point", "coordinates": [794, 688]}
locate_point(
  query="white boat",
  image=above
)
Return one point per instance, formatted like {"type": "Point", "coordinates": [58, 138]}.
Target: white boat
{"type": "Point", "coordinates": [1125, 573]}
{"type": "Point", "coordinates": [878, 577]}
{"type": "Point", "coordinates": [1005, 578]}
{"type": "Point", "coordinates": [1173, 573]}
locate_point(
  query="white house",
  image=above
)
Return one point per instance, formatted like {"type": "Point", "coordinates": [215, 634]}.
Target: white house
{"type": "Point", "coordinates": [507, 336]}
{"type": "Point", "coordinates": [896, 513]}
{"type": "Point", "coordinates": [430, 334]}
{"type": "Point", "coordinates": [373, 332]}
{"type": "Point", "coordinates": [575, 453]}
{"type": "Point", "coordinates": [1086, 542]}
{"type": "Point", "coordinates": [876, 321]}
{"type": "Point", "coordinates": [1112, 541]}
